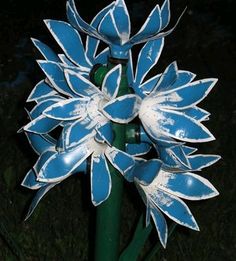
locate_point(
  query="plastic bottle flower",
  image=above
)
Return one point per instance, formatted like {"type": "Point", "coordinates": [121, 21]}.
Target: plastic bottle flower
{"type": "Point", "coordinates": [166, 107]}
{"type": "Point", "coordinates": [162, 190]}
{"type": "Point", "coordinates": [86, 130]}
{"type": "Point", "coordinates": [114, 28]}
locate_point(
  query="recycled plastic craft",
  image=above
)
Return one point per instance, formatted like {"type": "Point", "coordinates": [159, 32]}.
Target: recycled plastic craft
{"type": "Point", "coordinates": [111, 115]}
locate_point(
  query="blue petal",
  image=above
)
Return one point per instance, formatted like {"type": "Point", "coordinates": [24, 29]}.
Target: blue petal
{"type": "Point", "coordinates": [119, 159]}
{"type": "Point", "coordinates": [151, 26]}
{"type": "Point", "coordinates": [163, 34]}
{"type": "Point", "coordinates": [146, 172]}
{"type": "Point", "coordinates": [149, 85]}
{"type": "Point", "coordinates": [106, 133]}
{"type": "Point", "coordinates": [184, 77]}
{"type": "Point", "coordinates": [167, 78]}
{"type": "Point", "coordinates": [174, 208]}
{"type": "Point", "coordinates": [138, 149]}
{"type": "Point", "coordinates": [172, 156]}
{"type": "Point", "coordinates": [66, 61]}
{"type": "Point", "coordinates": [160, 224]}
{"type": "Point", "coordinates": [42, 125]}
{"type": "Point", "coordinates": [100, 180]}
{"type": "Point", "coordinates": [70, 42]}
{"type": "Point", "coordinates": [46, 51]}
{"type": "Point", "coordinates": [70, 109]}
{"type": "Point", "coordinates": [102, 57]}
{"type": "Point", "coordinates": [130, 72]}
{"type": "Point", "coordinates": [189, 95]}
{"type": "Point", "coordinates": [111, 82]}
{"type": "Point", "coordinates": [177, 125]}
{"type": "Point", "coordinates": [188, 186]}
{"type": "Point", "coordinates": [55, 74]}
{"type": "Point", "coordinates": [61, 165]}
{"type": "Point", "coordinates": [39, 143]}
{"type": "Point", "coordinates": [39, 195]}
{"type": "Point", "coordinates": [42, 89]}
{"type": "Point", "coordinates": [196, 113]}
{"type": "Point", "coordinates": [31, 182]}
{"type": "Point", "coordinates": [165, 14]}
{"type": "Point", "coordinates": [188, 150]}
{"type": "Point", "coordinates": [92, 43]}
{"type": "Point", "coordinates": [122, 20]}
{"type": "Point", "coordinates": [199, 162]}
{"type": "Point", "coordinates": [147, 58]}
{"type": "Point", "coordinates": [41, 106]}
{"type": "Point", "coordinates": [113, 109]}
{"type": "Point", "coordinates": [80, 85]}
{"type": "Point", "coordinates": [43, 158]}
{"type": "Point", "coordinates": [78, 22]}
{"type": "Point", "coordinates": [77, 133]}
{"type": "Point", "coordinates": [108, 29]}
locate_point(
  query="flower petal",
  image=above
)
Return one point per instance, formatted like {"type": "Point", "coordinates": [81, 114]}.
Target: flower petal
{"type": "Point", "coordinates": [149, 85]}
{"type": "Point", "coordinates": [69, 40]}
{"type": "Point", "coordinates": [138, 149]}
{"type": "Point", "coordinates": [173, 157]}
{"type": "Point", "coordinates": [40, 143]}
{"type": "Point", "coordinates": [167, 78]}
{"type": "Point", "coordinates": [111, 82]}
{"type": "Point", "coordinates": [39, 195]}
{"type": "Point", "coordinates": [78, 22]}
{"type": "Point", "coordinates": [114, 111]}
{"type": "Point", "coordinates": [196, 113]}
{"type": "Point", "coordinates": [91, 42]}
{"type": "Point", "coordinates": [30, 181]}
{"type": "Point", "coordinates": [122, 20]}
{"type": "Point", "coordinates": [80, 85]}
{"type": "Point", "coordinates": [42, 159]}
{"type": "Point", "coordinates": [119, 159]}
{"type": "Point", "coordinates": [184, 77]}
{"type": "Point", "coordinates": [165, 14]}
{"type": "Point", "coordinates": [43, 105]}
{"type": "Point", "coordinates": [130, 71]}
{"type": "Point", "coordinates": [176, 125]}
{"type": "Point", "coordinates": [187, 185]}
{"type": "Point", "coordinates": [145, 172]}
{"type": "Point", "coordinates": [188, 150]}
{"type": "Point", "coordinates": [62, 165]}
{"type": "Point", "coordinates": [201, 161]}
{"type": "Point", "coordinates": [46, 51]}
{"type": "Point", "coordinates": [55, 75]}
{"type": "Point", "coordinates": [70, 109]}
{"type": "Point", "coordinates": [188, 95]}
{"type": "Point", "coordinates": [147, 58]}
{"type": "Point", "coordinates": [108, 29]}
{"type": "Point", "coordinates": [100, 180]}
{"type": "Point", "coordinates": [160, 224]}
{"type": "Point", "coordinates": [151, 26]}
{"type": "Point", "coordinates": [41, 90]}
{"type": "Point", "coordinates": [102, 56]}
{"type": "Point", "coordinates": [105, 132]}
{"type": "Point", "coordinates": [174, 208]}
{"type": "Point", "coordinates": [77, 133]}
{"type": "Point", "coordinates": [42, 125]}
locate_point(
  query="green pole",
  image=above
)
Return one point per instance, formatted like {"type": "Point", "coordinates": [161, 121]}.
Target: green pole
{"type": "Point", "coordinates": [108, 214]}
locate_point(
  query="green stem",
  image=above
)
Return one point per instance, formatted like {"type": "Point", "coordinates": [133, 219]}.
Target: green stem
{"type": "Point", "coordinates": [109, 213]}
{"type": "Point", "coordinates": [139, 239]}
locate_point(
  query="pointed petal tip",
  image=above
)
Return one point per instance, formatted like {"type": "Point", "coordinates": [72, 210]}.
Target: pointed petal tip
{"type": "Point", "coordinates": [20, 130]}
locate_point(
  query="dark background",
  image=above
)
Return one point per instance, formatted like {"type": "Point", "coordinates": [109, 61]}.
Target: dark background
{"type": "Point", "coordinates": [62, 226]}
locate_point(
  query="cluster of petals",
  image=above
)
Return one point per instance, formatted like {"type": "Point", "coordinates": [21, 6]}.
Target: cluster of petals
{"type": "Point", "coordinates": [166, 106]}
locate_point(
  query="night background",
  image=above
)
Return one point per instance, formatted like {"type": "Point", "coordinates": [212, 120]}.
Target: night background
{"type": "Point", "coordinates": [62, 227]}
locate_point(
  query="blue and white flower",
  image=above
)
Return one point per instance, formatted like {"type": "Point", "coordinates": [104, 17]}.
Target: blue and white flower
{"type": "Point", "coordinates": [115, 27]}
